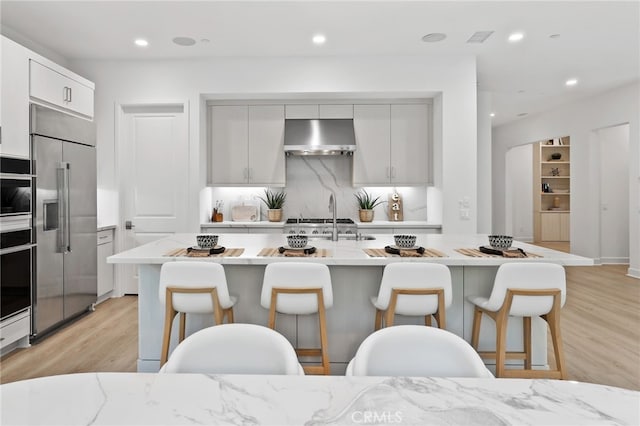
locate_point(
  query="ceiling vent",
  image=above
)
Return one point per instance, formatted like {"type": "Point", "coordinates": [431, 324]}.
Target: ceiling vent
{"type": "Point", "coordinates": [479, 36]}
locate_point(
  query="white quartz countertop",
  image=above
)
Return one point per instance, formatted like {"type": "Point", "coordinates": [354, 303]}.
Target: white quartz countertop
{"type": "Point", "coordinates": [343, 252]}
{"type": "Point", "coordinates": [179, 399]}
{"type": "Point", "coordinates": [238, 224]}
{"type": "Point", "coordinates": [361, 225]}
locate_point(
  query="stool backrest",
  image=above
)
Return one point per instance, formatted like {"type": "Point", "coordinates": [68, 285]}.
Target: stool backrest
{"type": "Point", "coordinates": [234, 349]}
{"type": "Point", "coordinates": [193, 275]}
{"type": "Point", "coordinates": [296, 275]}
{"type": "Point", "coordinates": [415, 276]}
{"type": "Point", "coordinates": [528, 276]}
{"type": "Point", "coordinates": [416, 350]}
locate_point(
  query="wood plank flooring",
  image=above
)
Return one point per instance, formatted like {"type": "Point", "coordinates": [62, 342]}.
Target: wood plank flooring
{"type": "Point", "coordinates": [600, 326]}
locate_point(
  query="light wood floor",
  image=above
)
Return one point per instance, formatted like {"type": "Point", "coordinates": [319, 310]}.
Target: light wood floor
{"type": "Point", "coordinates": [600, 326]}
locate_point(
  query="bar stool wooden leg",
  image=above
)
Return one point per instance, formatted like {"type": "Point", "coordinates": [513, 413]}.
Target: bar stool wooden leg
{"type": "Point", "coordinates": [183, 326]}
{"type": "Point", "coordinates": [526, 336]}
{"type": "Point", "coordinates": [170, 314]}
{"type": "Point", "coordinates": [378, 323]}
{"type": "Point", "coordinates": [554, 325]}
{"type": "Point", "coordinates": [501, 344]}
{"type": "Point", "coordinates": [427, 320]}
{"type": "Point", "coordinates": [475, 335]}
{"type": "Point", "coordinates": [323, 334]}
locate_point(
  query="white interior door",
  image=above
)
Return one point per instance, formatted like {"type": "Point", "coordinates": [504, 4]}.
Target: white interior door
{"type": "Point", "coordinates": [153, 162]}
{"type": "Point", "coordinates": [614, 194]}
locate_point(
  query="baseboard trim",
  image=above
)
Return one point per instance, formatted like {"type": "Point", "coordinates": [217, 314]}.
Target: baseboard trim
{"type": "Point", "coordinates": [633, 273]}
{"type": "Point", "coordinates": [614, 260]}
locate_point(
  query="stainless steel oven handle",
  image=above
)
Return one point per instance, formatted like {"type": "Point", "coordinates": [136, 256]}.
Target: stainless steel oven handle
{"type": "Point", "coordinates": [62, 202]}
{"type": "Point", "coordinates": [16, 249]}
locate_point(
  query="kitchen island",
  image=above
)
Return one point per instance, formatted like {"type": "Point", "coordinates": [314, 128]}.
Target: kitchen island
{"type": "Point", "coordinates": [355, 277]}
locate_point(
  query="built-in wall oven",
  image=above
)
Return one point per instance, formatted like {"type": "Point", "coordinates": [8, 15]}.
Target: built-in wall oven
{"type": "Point", "coordinates": [17, 245]}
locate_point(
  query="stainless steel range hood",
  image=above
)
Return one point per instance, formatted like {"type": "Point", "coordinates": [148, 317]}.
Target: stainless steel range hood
{"type": "Point", "coordinates": [319, 137]}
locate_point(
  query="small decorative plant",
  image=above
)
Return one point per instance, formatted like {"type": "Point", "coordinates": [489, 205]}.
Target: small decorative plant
{"type": "Point", "coordinates": [366, 200]}
{"type": "Point", "coordinates": [274, 200]}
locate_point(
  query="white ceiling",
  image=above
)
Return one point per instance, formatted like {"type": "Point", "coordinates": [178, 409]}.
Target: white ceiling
{"type": "Point", "coordinates": [598, 41]}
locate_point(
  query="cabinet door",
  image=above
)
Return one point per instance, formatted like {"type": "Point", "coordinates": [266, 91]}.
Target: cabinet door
{"type": "Point", "coordinates": [409, 144]}
{"type": "Point", "coordinates": [105, 270]}
{"type": "Point", "coordinates": [228, 147]}
{"type": "Point", "coordinates": [564, 226]}
{"type": "Point", "coordinates": [266, 140]}
{"type": "Point", "coordinates": [336, 111]}
{"type": "Point", "coordinates": [371, 159]}
{"type": "Point", "coordinates": [59, 90]}
{"type": "Point", "coordinates": [550, 226]}
{"type": "Point", "coordinates": [302, 111]}
{"type": "Point", "coordinates": [15, 100]}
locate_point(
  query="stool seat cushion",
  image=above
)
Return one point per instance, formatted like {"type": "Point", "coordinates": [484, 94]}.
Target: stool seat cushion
{"type": "Point", "coordinates": [296, 275]}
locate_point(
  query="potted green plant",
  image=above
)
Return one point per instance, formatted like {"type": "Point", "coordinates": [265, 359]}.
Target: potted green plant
{"type": "Point", "coordinates": [366, 203]}
{"type": "Point", "coordinates": [274, 202]}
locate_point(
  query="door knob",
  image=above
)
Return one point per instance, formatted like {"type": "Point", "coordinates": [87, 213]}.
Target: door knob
{"type": "Point", "coordinates": [129, 225]}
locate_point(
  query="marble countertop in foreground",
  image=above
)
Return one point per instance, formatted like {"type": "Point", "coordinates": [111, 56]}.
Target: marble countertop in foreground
{"type": "Point", "coordinates": [343, 252]}
{"type": "Point", "coordinates": [181, 399]}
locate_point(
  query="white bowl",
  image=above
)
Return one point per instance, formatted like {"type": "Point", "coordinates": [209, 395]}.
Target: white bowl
{"type": "Point", "coordinates": [500, 241]}
{"type": "Point", "coordinates": [207, 240]}
{"type": "Point", "coordinates": [297, 241]}
{"type": "Point", "coordinates": [405, 241]}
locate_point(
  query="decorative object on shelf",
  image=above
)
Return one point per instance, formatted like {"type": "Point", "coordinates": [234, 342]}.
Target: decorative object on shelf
{"type": "Point", "coordinates": [556, 202]}
{"type": "Point", "coordinates": [206, 240]}
{"type": "Point", "coordinates": [555, 171]}
{"type": "Point", "coordinates": [367, 203]}
{"type": "Point", "coordinates": [274, 202]}
{"type": "Point", "coordinates": [500, 241]}
{"type": "Point", "coordinates": [216, 216]}
{"type": "Point", "coordinates": [405, 241]}
{"type": "Point", "coordinates": [546, 188]}
{"type": "Point", "coordinates": [556, 156]}
{"type": "Point", "coordinates": [395, 207]}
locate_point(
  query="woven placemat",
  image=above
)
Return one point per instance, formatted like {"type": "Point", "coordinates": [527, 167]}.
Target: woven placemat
{"type": "Point", "coordinates": [182, 252]}
{"type": "Point", "coordinates": [275, 252]}
{"type": "Point", "coordinates": [380, 252]}
{"type": "Point", "coordinates": [477, 253]}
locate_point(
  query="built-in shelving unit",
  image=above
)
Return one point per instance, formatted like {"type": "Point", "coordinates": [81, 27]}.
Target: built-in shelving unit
{"type": "Point", "coordinates": [552, 186]}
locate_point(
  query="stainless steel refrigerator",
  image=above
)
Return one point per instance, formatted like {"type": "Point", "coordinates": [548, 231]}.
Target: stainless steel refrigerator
{"type": "Point", "coordinates": [64, 206]}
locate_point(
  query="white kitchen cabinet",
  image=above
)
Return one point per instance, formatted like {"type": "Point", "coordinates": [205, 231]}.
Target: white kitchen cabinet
{"type": "Point", "coordinates": [335, 111]}
{"type": "Point", "coordinates": [228, 147]}
{"type": "Point", "coordinates": [302, 111]}
{"type": "Point", "coordinates": [58, 87]}
{"type": "Point", "coordinates": [392, 144]}
{"type": "Point", "coordinates": [14, 116]}
{"type": "Point", "coordinates": [105, 270]}
{"type": "Point", "coordinates": [266, 145]}
{"type": "Point", "coordinates": [373, 142]}
{"type": "Point", "coordinates": [246, 145]}
{"type": "Point", "coordinates": [409, 160]}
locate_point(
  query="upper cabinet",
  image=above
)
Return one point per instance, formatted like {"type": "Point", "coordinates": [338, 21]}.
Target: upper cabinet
{"type": "Point", "coordinates": [393, 144]}
{"type": "Point", "coordinates": [29, 77]}
{"type": "Point", "coordinates": [14, 116]}
{"type": "Point", "coordinates": [246, 145]}
{"type": "Point", "coordinates": [61, 88]}
{"type": "Point", "coordinates": [313, 111]}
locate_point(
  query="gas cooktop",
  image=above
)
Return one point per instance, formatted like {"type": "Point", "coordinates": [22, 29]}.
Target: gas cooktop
{"type": "Point", "coordinates": [317, 221]}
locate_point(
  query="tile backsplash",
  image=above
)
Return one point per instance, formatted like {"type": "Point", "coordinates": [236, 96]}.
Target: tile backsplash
{"type": "Point", "coordinates": [310, 181]}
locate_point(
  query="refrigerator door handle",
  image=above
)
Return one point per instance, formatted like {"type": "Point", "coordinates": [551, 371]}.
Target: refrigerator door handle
{"type": "Point", "coordinates": [62, 224]}
{"type": "Point", "coordinates": [63, 196]}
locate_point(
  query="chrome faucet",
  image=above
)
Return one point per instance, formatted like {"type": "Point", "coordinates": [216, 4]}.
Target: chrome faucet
{"type": "Point", "coordinates": [333, 208]}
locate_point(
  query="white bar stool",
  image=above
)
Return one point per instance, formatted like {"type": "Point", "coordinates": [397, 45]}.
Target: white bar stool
{"type": "Point", "coordinates": [422, 289]}
{"type": "Point", "coordinates": [299, 288]}
{"type": "Point", "coordinates": [195, 288]}
{"type": "Point", "coordinates": [523, 290]}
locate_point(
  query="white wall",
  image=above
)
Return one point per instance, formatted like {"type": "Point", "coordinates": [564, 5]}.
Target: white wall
{"type": "Point", "coordinates": [579, 121]}
{"type": "Point", "coordinates": [453, 79]}
{"type": "Point", "coordinates": [484, 163]}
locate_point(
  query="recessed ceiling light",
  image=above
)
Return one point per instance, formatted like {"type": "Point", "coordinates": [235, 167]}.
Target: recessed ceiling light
{"type": "Point", "coordinates": [522, 114]}
{"type": "Point", "coordinates": [141, 42]}
{"type": "Point", "coordinates": [319, 39]}
{"type": "Point", "coordinates": [493, 114]}
{"type": "Point", "coordinates": [554, 36]}
{"type": "Point", "coordinates": [184, 41]}
{"type": "Point", "coordinates": [434, 37]}
{"type": "Point", "coordinates": [520, 91]}
{"type": "Point", "coordinates": [204, 40]}
{"type": "Point", "coordinates": [515, 37]}
{"type": "Point", "coordinates": [571, 82]}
